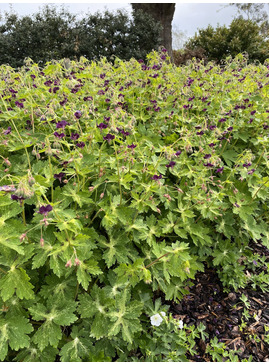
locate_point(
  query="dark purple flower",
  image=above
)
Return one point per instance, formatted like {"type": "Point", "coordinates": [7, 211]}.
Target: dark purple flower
{"type": "Point", "coordinates": [212, 145]}
{"type": "Point", "coordinates": [212, 127]}
{"type": "Point", "coordinates": [208, 165]}
{"type": "Point", "coordinates": [62, 124]}
{"type": "Point", "coordinates": [80, 145]}
{"type": "Point", "coordinates": [48, 83]}
{"type": "Point", "coordinates": [17, 198]}
{"type": "Point", "coordinates": [55, 89]}
{"type": "Point", "coordinates": [200, 132]}
{"type": "Point", "coordinates": [63, 102]}
{"type": "Point", "coordinates": [59, 176]}
{"type": "Point", "coordinates": [247, 165]}
{"type": "Point", "coordinates": [19, 104]}
{"type": "Point", "coordinates": [8, 131]}
{"type": "Point", "coordinates": [44, 210]}
{"type": "Point", "coordinates": [222, 120]}
{"type": "Point", "coordinates": [251, 171]}
{"type": "Point", "coordinates": [220, 170]}
{"type": "Point", "coordinates": [102, 126]}
{"type": "Point", "coordinates": [250, 121]}
{"type": "Point", "coordinates": [253, 112]}
{"type": "Point", "coordinates": [230, 128]}
{"type": "Point", "coordinates": [236, 205]}
{"type": "Point", "coordinates": [207, 156]}
{"type": "Point", "coordinates": [87, 98]}
{"type": "Point", "coordinates": [109, 137]}
{"type": "Point", "coordinates": [171, 164]}
{"type": "Point", "coordinates": [132, 146]}
{"type": "Point", "coordinates": [60, 136]}
{"type": "Point", "coordinates": [74, 136]}
{"type": "Point", "coordinates": [178, 153]}
{"type": "Point", "coordinates": [156, 177]}
{"type": "Point", "coordinates": [78, 114]}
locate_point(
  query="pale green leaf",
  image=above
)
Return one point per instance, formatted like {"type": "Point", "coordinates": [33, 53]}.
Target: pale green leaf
{"type": "Point", "coordinates": [16, 281]}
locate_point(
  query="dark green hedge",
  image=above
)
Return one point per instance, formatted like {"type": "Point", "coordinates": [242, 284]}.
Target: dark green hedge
{"type": "Point", "coordinates": [55, 34]}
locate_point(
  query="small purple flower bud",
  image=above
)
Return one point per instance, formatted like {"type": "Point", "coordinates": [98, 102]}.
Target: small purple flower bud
{"type": "Point", "coordinates": [251, 171]}
{"type": "Point", "coordinates": [200, 133]}
{"type": "Point", "coordinates": [178, 153]}
{"type": "Point", "coordinates": [253, 112]}
{"type": "Point", "coordinates": [207, 156]}
{"type": "Point", "coordinates": [254, 262]}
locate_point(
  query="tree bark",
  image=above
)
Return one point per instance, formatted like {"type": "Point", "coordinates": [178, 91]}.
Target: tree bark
{"type": "Point", "coordinates": [163, 13]}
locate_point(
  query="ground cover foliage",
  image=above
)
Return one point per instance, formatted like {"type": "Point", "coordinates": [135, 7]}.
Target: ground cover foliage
{"type": "Point", "coordinates": [119, 183]}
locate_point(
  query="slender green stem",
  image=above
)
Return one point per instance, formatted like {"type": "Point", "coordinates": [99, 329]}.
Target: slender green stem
{"type": "Point", "coordinates": [2, 270]}
{"type": "Point", "coordinates": [23, 214]}
{"type": "Point", "coordinates": [259, 190]}
{"type": "Point", "coordinates": [156, 260]}
{"type": "Point", "coordinates": [118, 168]}
{"type": "Point", "coordinates": [51, 172]}
{"type": "Point", "coordinates": [14, 126]}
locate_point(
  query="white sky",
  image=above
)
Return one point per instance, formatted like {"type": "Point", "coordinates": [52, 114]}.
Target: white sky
{"type": "Point", "coordinates": [188, 17]}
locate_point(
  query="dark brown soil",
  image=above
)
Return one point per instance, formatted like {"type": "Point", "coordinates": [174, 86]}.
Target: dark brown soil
{"type": "Point", "coordinates": [222, 314]}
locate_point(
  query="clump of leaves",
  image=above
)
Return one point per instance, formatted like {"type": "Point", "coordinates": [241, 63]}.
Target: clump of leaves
{"type": "Point", "coordinates": [118, 183]}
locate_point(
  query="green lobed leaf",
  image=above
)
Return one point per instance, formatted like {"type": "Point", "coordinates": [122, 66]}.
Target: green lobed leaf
{"type": "Point", "coordinates": [16, 281]}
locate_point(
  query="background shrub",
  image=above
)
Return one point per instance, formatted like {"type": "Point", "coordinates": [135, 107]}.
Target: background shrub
{"type": "Point", "coordinates": [56, 34]}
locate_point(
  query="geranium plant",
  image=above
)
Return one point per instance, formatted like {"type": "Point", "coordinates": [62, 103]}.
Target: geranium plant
{"type": "Point", "coordinates": [118, 183]}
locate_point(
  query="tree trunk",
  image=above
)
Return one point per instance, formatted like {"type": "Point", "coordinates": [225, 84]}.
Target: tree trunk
{"type": "Point", "coordinates": [164, 14]}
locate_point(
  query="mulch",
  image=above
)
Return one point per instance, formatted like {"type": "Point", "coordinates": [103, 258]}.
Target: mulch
{"type": "Point", "coordinates": [222, 314]}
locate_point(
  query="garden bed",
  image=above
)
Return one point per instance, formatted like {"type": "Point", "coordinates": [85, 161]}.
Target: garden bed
{"type": "Point", "coordinates": [134, 211]}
